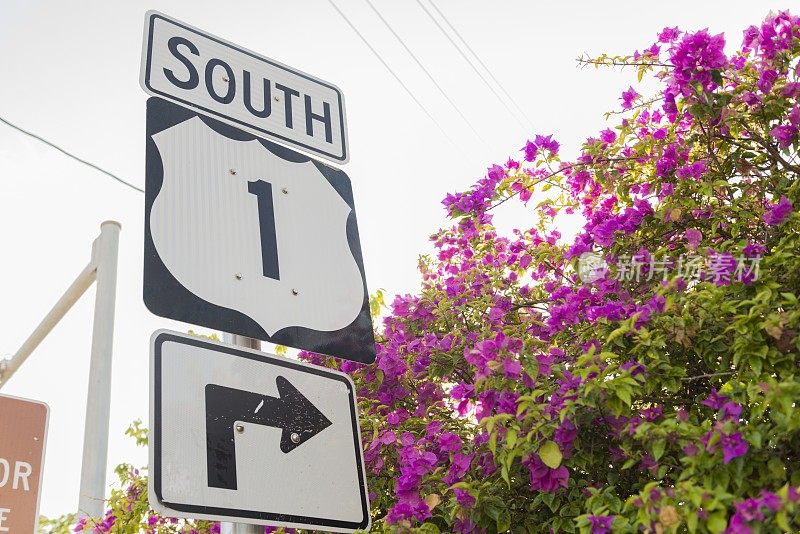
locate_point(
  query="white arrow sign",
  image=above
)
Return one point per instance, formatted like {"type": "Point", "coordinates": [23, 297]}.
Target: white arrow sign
{"type": "Point", "coordinates": [251, 238]}
{"type": "Point", "coordinates": [240, 435]}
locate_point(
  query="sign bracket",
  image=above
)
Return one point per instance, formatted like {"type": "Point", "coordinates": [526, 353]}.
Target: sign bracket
{"type": "Point", "coordinates": [102, 268]}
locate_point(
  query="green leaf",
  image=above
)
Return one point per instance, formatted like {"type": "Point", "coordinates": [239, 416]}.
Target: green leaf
{"type": "Point", "coordinates": [658, 449]}
{"type": "Point", "coordinates": [503, 521]}
{"type": "Point", "coordinates": [550, 455]}
{"type": "Point", "coordinates": [616, 333]}
{"type": "Point", "coordinates": [691, 522]}
{"type": "Point", "coordinates": [625, 395]}
{"type": "Point", "coordinates": [717, 522]}
{"type": "Point", "coordinates": [782, 521]}
{"type": "Point", "coordinates": [511, 438]}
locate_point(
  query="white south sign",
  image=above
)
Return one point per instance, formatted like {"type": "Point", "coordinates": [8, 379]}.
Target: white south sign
{"type": "Point", "coordinates": [240, 435]}
{"type": "Point", "coordinates": [251, 238]}
{"type": "Point", "coordinates": [219, 78]}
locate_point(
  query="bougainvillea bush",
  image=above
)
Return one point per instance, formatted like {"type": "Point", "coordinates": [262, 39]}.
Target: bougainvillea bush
{"type": "Point", "coordinates": [657, 389]}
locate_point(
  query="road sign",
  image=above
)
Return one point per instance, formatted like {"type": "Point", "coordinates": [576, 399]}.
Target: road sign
{"type": "Point", "coordinates": [240, 435]}
{"type": "Point", "coordinates": [248, 237]}
{"type": "Point", "coordinates": [23, 432]}
{"type": "Point", "coordinates": [245, 89]}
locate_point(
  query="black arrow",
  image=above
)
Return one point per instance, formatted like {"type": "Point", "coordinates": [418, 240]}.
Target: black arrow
{"type": "Point", "coordinates": [298, 419]}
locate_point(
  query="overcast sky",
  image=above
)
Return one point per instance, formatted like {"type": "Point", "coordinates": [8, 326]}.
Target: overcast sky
{"type": "Point", "coordinates": [70, 73]}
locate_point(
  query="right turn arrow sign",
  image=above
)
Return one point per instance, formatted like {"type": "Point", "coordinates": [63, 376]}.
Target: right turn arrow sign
{"type": "Point", "coordinates": [298, 419]}
{"type": "Point", "coordinates": [244, 436]}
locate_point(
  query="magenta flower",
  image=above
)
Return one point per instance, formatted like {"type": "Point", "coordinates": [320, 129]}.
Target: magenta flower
{"type": "Point", "coordinates": [465, 500]}
{"type": "Point", "coordinates": [693, 238]}
{"type": "Point", "coordinates": [771, 501]}
{"type": "Point", "coordinates": [715, 401]}
{"type": "Point", "coordinates": [608, 136]}
{"type": "Point", "coordinates": [694, 58]}
{"type": "Point", "coordinates": [628, 97]}
{"type": "Point", "coordinates": [731, 411]}
{"type": "Point", "coordinates": [601, 524]}
{"type": "Point", "coordinates": [766, 80]}
{"type": "Point", "coordinates": [511, 368]}
{"type": "Point", "coordinates": [776, 213]}
{"type": "Point", "coordinates": [733, 445]}
{"type": "Point", "coordinates": [784, 134]}
{"type": "Point", "coordinates": [546, 142]}
{"type": "Point", "coordinates": [752, 250]}
{"type": "Point", "coordinates": [449, 442]}
{"type": "Point", "coordinates": [668, 35]}
{"type": "Point", "coordinates": [531, 150]}
{"type": "Point", "coordinates": [542, 478]}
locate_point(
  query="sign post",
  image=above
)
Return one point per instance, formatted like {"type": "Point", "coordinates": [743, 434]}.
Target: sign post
{"type": "Point", "coordinates": [23, 433]}
{"type": "Point", "coordinates": [241, 528]}
{"type": "Point", "coordinates": [101, 268]}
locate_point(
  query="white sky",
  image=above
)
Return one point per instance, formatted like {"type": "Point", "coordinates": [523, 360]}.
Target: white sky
{"type": "Point", "coordinates": [70, 73]}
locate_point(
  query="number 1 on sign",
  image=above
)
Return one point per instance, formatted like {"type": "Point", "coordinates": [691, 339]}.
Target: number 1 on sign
{"type": "Point", "coordinates": [266, 220]}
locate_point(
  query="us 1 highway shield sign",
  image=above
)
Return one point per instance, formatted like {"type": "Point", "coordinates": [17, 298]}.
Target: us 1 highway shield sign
{"type": "Point", "coordinates": [248, 237]}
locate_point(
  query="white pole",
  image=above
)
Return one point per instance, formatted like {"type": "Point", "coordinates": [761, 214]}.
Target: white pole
{"type": "Point", "coordinates": [98, 401]}
{"type": "Point", "coordinates": [241, 528]}
{"type": "Point", "coordinates": [71, 295]}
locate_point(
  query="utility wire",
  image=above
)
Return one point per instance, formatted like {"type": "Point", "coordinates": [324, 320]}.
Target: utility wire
{"type": "Point", "coordinates": [477, 57]}
{"type": "Point", "coordinates": [474, 68]}
{"type": "Point", "coordinates": [427, 73]}
{"type": "Point", "coordinates": [396, 77]}
{"type": "Point", "coordinates": [76, 158]}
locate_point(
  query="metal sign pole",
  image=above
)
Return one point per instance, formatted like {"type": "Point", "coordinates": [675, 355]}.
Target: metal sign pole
{"type": "Point", "coordinates": [10, 366]}
{"type": "Point", "coordinates": [241, 528]}
{"type": "Point", "coordinates": [103, 269]}
{"type": "Point", "coordinates": [98, 401]}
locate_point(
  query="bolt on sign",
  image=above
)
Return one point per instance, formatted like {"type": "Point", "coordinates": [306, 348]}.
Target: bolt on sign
{"type": "Point", "coordinates": [218, 78]}
{"type": "Point", "coordinates": [23, 431]}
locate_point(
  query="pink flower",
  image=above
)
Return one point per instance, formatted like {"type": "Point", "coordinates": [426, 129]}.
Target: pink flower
{"type": "Point", "coordinates": [715, 401]}
{"type": "Point", "coordinates": [628, 97]}
{"type": "Point", "coordinates": [465, 500]}
{"type": "Point", "coordinates": [512, 368]}
{"type": "Point", "coordinates": [543, 478]}
{"type": "Point", "coordinates": [601, 524]}
{"type": "Point", "coordinates": [608, 136]}
{"type": "Point", "coordinates": [693, 238]}
{"type": "Point", "coordinates": [778, 212]}
{"type": "Point", "coordinates": [695, 57]}
{"type": "Point", "coordinates": [668, 35]}
{"type": "Point", "coordinates": [784, 134]}
{"type": "Point", "coordinates": [531, 150]}
{"type": "Point", "coordinates": [766, 79]}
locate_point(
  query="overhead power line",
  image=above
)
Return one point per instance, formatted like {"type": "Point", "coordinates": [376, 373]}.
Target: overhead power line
{"type": "Point", "coordinates": [478, 58]}
{"type": "Point", "coordinates": [69, 154]}
{"type": "Point", "coordinates": [396, 77]}
{"type": "Point", "coordinates": [427, 73]}
{"type": "Point", "coordinates": [469, 62]}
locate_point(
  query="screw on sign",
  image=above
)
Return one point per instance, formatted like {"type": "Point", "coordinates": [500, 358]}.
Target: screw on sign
{"type": "Point", "coordinates": [23, 429]}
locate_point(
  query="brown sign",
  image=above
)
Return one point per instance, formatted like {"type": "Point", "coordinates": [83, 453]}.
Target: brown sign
{"type": "Point", "coordinates": [23, 429]}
